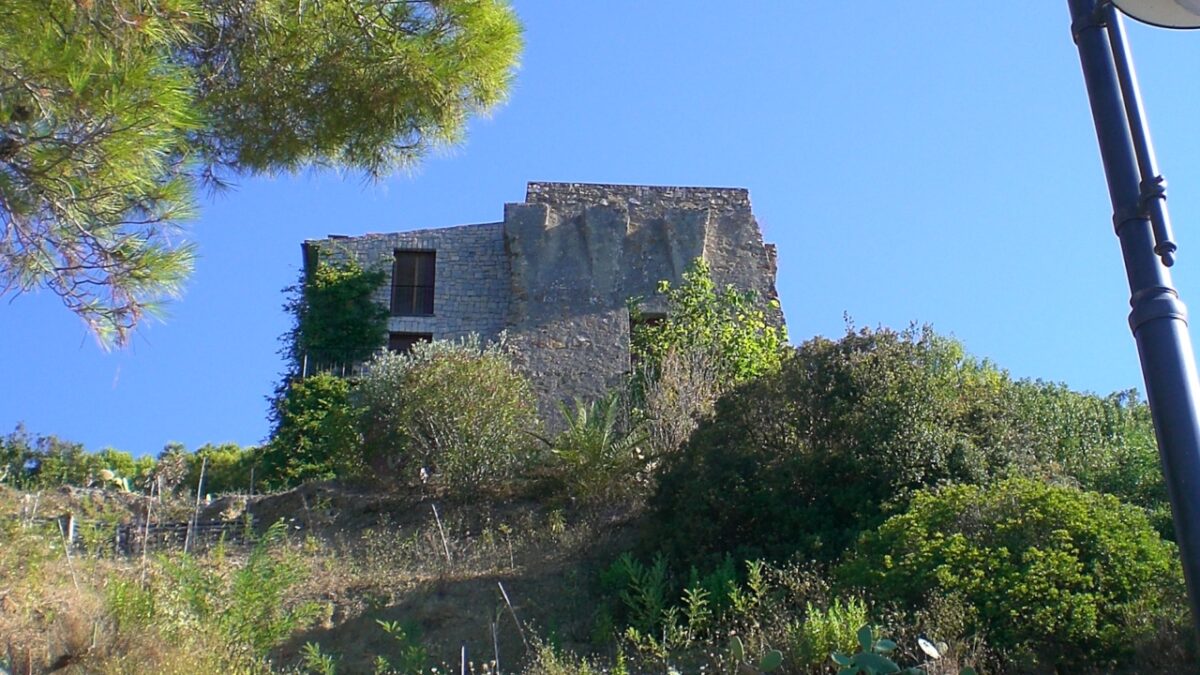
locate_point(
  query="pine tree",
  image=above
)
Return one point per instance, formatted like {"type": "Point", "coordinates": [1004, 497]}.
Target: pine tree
{"type": "Point", "coordinates": [113, 113]}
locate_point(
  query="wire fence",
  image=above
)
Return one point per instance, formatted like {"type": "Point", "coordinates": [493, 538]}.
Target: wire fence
{"type": "Point", "coordinates": [137, 536]}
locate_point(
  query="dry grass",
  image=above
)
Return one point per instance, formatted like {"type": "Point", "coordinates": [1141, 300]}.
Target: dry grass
{"type": "Point", "coordinates": [397, 569]}
{"type": "Point", "coordinates": [369, 557]}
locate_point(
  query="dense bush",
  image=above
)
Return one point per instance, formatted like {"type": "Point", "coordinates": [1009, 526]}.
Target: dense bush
{"type": "Point", "coordinates": [801, 461]}
{"type": "Point", "coordinates": [316, 434]}
{"type": "Point", "coordinates": [597, 457]}
{"type": "Point", "coordinates": [456, 412]}
{"type": "Point", "coordinates": [228, 468]}
{"type": "Point", "coordinates": [710, 340]}
{"type": "Point", "coordinates": [337, 322]}
{"type": "Point", "coordinates": [1053, 575]}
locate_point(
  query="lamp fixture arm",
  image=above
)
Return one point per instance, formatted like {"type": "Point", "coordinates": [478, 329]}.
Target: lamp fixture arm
{"type": "Point", "coordinates": [1153, 193]}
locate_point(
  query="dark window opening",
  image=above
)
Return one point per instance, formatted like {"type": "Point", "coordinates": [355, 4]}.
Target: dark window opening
{"type": "Point", "coordinates": [402, 343]}
{"type": "Point", "coordinates": [412, 283]}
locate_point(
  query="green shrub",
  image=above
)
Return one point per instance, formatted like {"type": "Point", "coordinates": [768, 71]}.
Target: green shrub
{"type": "Point", "coordinates": [337, 322]}
{"type": "Point", "coordinates": [822, 632]}
{"type": "Point", "coordinates": [723, 321]}
{"type": "Point", "coordinates": [458, 411]}
{"type": "Point", "coordinates": [710, 340]}
{"type": "Point", "coordinates": [1054, 575]}
{"type": "Point", "coordinates": [316, 435]}
{"type": "Point", "coordinates": [596, 457]}
{"type": "Point", "coordinates": [802, 461]}
{"type": "Point", "coordinates": [227, 468]}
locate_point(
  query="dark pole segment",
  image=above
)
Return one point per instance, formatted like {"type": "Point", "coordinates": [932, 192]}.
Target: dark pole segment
{"type": "Point", "coordinates": [1158, 318]}
{"type": "Point", "coordinates": [1153, 186]}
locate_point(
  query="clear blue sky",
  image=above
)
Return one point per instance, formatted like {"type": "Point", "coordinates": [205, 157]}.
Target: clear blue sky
{"type": "Point", "coordinates": [931, 162]}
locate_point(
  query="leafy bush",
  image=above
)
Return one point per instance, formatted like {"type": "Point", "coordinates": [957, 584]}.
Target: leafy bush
{"type": "Point", "coordinates": [824, 631]}
{"type": "Point", "coordinates": [1055, 575]}
{"type": "Point", "coordinates": [227, 468]}
{"type": "Point", "coordinates": [596, 457]}
{"type": "Point", "coordinates": [802, 461]}
{"type": "Point", "coordinates": [459, 411]}
{"type": "Point", "coordinates": [316, 434]}
{"type": "Point", "coordinates": [710, 340]}
{"type": "Point", "coordinates": [337, 323]}
{"type": "Point", "coordinates": [725, 321]}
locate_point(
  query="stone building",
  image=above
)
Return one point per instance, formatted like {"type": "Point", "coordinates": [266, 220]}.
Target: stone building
{"type": "Point", "coordinates": [557, 272]}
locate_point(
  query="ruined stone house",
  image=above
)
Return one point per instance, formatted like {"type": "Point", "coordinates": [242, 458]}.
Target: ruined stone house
{"type": "Point", "coordinates": [556, 274]}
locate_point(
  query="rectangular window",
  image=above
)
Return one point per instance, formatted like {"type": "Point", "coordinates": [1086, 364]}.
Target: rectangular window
{"type": "Point", "coordinates": [402, 343]}
{"type": "Point", "coordinates": [412, 283]}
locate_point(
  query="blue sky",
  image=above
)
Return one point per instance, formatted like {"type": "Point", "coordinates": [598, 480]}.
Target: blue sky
{"type": "Point", "coordinates": [931, 162]}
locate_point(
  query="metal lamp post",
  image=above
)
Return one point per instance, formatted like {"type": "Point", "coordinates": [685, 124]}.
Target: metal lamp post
{"type": "Point", "coordinates": [1158, 318]}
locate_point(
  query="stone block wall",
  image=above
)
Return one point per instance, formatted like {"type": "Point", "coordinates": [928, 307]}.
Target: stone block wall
{"type": "Point", "coordinates": [471, 286]}
{"type": "Point", "coordinates": [578, 252]}
{"type": "Point", "coordinates": [557, 273]}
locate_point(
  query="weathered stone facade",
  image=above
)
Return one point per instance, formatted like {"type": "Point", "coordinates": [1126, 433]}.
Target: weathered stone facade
{"type": "Point", "coordinates": [557, 273]}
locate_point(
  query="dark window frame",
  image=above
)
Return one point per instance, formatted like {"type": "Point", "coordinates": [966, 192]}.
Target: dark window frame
{"type": "Point", "coordinates": [401, 342]}
{"type": "Point", "coordinates": [414, 277]}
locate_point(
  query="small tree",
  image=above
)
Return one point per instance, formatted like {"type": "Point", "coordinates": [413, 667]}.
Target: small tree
{"type": "Point", "coordinates": [457, 411]}
{"type": "Point", "coordinates": [316, 435]}
{"type": "Point", "coordinates": [710, 340]}
{"type": "Point", "coordinates": [725, 322]}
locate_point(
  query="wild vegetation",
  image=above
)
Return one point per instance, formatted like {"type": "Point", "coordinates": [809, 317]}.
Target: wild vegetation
{"type": "Point", "coordinates": [863, 504]}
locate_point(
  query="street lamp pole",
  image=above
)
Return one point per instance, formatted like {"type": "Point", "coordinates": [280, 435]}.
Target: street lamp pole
{"type": "Point", "coordinates": [1158, 318]}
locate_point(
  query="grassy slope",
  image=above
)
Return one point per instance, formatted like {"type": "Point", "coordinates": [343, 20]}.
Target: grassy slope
{"type": "Point", "coordinates": [369, 557]}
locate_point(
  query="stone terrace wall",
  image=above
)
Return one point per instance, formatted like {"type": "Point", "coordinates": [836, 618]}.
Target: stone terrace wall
{"type": "Point", "coordinates": [471, 288]}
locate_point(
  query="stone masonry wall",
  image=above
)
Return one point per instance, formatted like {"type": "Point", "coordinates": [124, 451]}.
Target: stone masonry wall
{"type": "Point", "coordinates": [578, 252]}
{"type": "Point", "coordinates": [557, 274]}
{"type": "Point", "coordinates": [471, 287]}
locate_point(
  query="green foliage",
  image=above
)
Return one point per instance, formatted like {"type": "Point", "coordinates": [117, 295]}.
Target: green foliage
{"type": "Point", "coordinates": [94, 119]}
{"type": "Point", "coordinates": [413, 655]}
{"type": "Point", "coordinates": [38, 462]}
{"type": "Point", "coordinates": [248, 608]}
{"type": "Point", "coordinates": [367, 84]}
{"type": "Point", "coordinates": [458, 412]}
{"type": "Point", "coordinates": [594, 457]}
{"type": "Point", "coordinates": [802, 461]}
{"type": "Point", "coordinates": [872, 657]}
{"type": "Point", "coordinates": [111, 114]}
{"type": "Point", "coordinates": [1054, 574]}
{"type": "Point", "coordinates": [337, 323]}
{"type": "Point", "coordinates": [1104, 444]}
{"type": "Point", "coordinates": [702, 317]}
{"type": "Point", "coordinates": [316, 435]}
{"type": "Point", "coordinates": [709, 341]}
{"type": "Point", "coordinates": [643, 590]}
{"type": "Point", "coordinates": [227, 468]}
{"type": "Point", "coordinates": [822, 632]}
